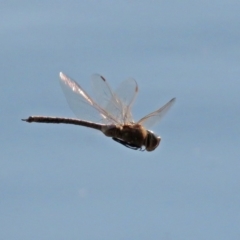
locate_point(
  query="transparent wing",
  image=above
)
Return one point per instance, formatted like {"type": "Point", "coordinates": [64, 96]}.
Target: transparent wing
{"type": "Point", "coordinates": [83, 106]}
{"type": "Point", "coordinates": [117, 103]}
{"type": "Point", "coordinates": [102, 91]}
{"type": "Point", "coordinates": [127, 93]}
{"type": "Point", "coordinates": [153, 118]}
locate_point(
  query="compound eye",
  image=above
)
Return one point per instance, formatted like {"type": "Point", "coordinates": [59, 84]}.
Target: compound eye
{"type": "Point", "coordinates": [152, 141]}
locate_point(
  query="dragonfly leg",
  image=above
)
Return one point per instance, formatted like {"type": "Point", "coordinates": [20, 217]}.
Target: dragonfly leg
{"type": "Point", "coordinates": [128, 145]}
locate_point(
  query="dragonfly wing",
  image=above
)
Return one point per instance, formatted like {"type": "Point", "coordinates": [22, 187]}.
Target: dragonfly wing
{"type": "Point", "coordinates": [83, 106]}
{"type": "Point", "coordinates": [126, 93]}
{"type": "Point", "coordinates": [153, 118]}
{"type": "Point", "coordinates": [102, 91]}
{"type": "Point", "coordinates": [116, 103]}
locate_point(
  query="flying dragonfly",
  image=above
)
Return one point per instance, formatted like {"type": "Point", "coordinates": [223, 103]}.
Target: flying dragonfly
{"type": "Point", "coordinates": [111, 111]}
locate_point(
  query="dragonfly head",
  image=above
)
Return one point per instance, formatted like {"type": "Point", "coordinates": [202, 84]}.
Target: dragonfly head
{"type": "Point", "coordinates": [152, 141]}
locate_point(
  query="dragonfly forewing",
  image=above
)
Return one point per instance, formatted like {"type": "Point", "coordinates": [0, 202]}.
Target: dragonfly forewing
{"type": "Point", "coordinates": [102, 91]}
{"type": "Point", "coordinates": [118, 102]}
{"type": "Point", "coordinates": [126, 93]}
{"type": "Point", "coordinates": [153, 118]}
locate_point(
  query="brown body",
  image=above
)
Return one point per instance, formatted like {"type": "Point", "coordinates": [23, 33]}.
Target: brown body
{"type": "Point", "coordinates": [132, 135]}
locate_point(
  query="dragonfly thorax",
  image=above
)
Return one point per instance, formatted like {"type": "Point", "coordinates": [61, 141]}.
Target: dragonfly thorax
{"type": "Point", "coordinates": [132, 135]}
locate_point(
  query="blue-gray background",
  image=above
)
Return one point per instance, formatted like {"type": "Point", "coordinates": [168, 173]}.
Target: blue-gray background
{"type": "Point", "coordinates": [68, 182]}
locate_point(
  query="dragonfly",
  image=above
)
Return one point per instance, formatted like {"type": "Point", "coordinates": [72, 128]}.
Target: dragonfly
{"type": "Point", "coordinates": [109, 113]}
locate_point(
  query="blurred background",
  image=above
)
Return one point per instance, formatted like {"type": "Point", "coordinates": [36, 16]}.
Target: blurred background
{"type": "Point", "coordinates": [68, 182]}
